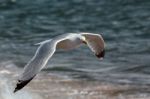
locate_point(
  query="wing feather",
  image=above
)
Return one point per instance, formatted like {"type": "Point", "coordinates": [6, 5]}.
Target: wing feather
{"type": "Point", "coordinates": [40, 59]}
{"type": "Point", "coordinates": [94, 41]}
{"type": "Point", "coordinates": [43, 53]}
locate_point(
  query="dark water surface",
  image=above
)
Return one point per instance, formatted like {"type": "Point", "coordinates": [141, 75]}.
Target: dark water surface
{"type": "Point", "coordinates": [124, 24]}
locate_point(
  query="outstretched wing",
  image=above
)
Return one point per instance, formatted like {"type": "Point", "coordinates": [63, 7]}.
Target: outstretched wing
{"type": "Point", "coordinates": [43, 53]}
{"type": "Point", "coordinates": [41, 57]}
{"type": "Point", "coordinates": [95, 43]}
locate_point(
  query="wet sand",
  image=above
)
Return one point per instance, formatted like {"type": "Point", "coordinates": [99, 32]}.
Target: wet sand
{"type": "Point", "coordinates": [50, 86]}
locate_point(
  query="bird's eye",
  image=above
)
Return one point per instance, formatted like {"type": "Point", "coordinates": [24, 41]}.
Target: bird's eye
{"type": "Point", "coordinates": [84, 42]}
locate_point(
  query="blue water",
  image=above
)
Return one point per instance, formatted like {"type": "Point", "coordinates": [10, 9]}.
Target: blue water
{"type": "Point", "coordinates": [125, 26]}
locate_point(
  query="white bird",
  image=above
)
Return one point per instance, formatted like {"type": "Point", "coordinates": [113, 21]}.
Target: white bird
{"type": "Point", "coordinates": [47, 48]}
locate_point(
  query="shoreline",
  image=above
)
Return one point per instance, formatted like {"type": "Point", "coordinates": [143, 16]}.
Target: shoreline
{"type": "Point", "coordinates": [56, 88]}
{"type": "Point", "coordinates": [50, 86]}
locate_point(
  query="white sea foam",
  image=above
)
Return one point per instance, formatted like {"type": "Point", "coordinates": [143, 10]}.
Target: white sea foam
{"type": "Point", "coordinates": [6, 91]}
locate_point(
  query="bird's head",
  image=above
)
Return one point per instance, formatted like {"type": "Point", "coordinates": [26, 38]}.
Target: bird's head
{"type": "Point", "coordinates": [83, 39]}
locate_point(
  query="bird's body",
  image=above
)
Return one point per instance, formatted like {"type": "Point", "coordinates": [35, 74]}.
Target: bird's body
{"type": "Point", "coordinates": [71, 41]}
{"type": "Point", "coordinates": [47, 48]}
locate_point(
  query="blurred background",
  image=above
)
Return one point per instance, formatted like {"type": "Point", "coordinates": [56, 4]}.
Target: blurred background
{"type": "Point", "coordinates": [124, 25]}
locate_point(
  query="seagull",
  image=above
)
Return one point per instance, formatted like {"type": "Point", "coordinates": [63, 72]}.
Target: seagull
{"type": "Point", "coordinates": [47, 48]}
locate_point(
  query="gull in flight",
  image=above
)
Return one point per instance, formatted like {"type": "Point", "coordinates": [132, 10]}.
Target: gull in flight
{"type": "Point", "coordinates": [47, 48]}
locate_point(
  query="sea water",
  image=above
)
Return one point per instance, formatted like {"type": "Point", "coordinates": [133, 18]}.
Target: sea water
{"type": "Point", "coordinates": [124, 26]}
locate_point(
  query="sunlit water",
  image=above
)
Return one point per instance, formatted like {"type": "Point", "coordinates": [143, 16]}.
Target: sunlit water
{"type": "Point", "coordinates": [123, 24]}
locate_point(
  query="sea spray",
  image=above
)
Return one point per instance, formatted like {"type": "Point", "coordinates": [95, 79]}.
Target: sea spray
{"type": "Point", "coordinates": [6, 91]}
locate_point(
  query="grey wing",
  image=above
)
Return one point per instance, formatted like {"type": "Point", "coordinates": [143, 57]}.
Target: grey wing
{"type": "Point", "coordinates": [41, 57]}
{"type": "Point", "coordinates": [43, 53]}
{"type": "Point", "coordinates": [95, 42]}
